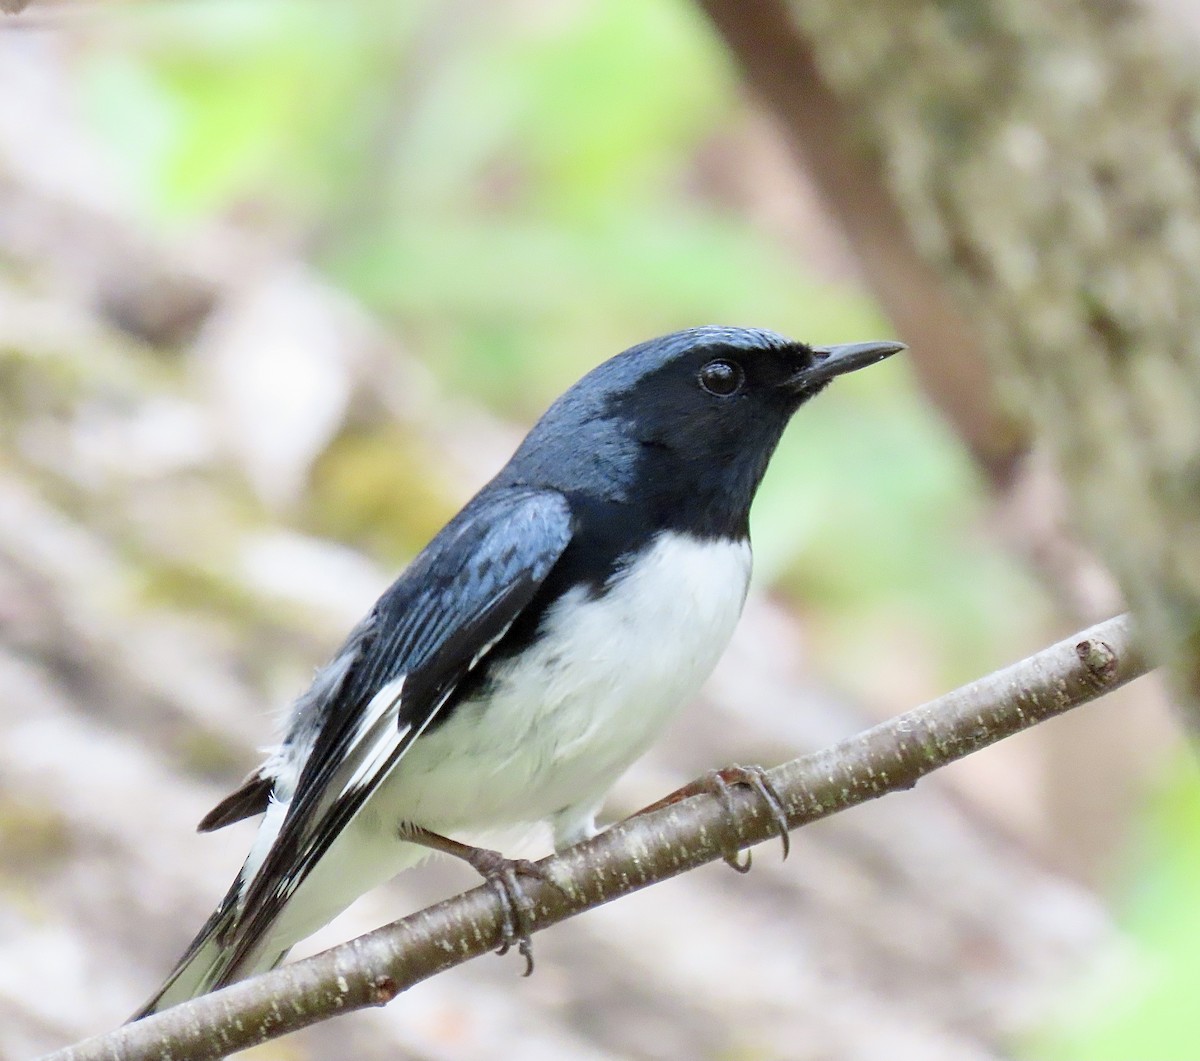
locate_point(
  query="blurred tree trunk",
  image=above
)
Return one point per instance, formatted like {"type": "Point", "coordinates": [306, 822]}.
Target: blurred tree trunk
{"type": "Point", "coordinates": [1044, 158]}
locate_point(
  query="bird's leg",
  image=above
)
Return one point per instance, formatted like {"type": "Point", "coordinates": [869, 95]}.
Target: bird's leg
{"type": "Point", "coordinates": [503, 874]}
{"type": "Point", "coordinates": [717, 783]}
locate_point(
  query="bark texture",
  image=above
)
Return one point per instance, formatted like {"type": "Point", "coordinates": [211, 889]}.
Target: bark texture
{"type": "Point", "coordinates": [1045, 158]}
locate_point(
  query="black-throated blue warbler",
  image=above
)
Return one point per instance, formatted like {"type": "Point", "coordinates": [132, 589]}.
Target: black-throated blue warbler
{"type": "Point", "coordinates": [533, 650]}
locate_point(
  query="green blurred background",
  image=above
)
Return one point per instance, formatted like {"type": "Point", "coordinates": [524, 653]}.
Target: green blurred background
{"type": "Point", "coordinates": [521, 198]}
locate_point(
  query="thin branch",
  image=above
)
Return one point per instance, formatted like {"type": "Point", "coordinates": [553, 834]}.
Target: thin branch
{"type": "Point", "coordinates": [373, 969]}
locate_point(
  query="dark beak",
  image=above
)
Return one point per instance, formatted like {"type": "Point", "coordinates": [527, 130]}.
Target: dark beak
{"type": "Point", "coordinates": [833, 361]}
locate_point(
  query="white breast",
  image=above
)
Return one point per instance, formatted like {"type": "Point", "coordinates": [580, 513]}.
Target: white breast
{"type": "Point", "coordinates": [567, 717]}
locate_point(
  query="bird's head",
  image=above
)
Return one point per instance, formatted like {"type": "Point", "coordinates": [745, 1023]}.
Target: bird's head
{"type": "Point", "coordinates": [687, 421]}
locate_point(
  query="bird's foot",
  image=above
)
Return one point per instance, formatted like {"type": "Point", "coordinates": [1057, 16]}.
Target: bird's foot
{"type": "Point", "coordinates": [718, 783]}
{"type": "Point", "coordinates": [504, 876]}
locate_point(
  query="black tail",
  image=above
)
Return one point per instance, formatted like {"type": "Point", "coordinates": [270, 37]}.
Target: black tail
{"type": "Point", "coordinates": [212, 960]}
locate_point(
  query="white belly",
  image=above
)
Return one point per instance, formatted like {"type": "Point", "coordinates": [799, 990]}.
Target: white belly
{"type": "Point", "coordinates": [563, 721]}
{"type": "Point", "coordinates": [558, 727]}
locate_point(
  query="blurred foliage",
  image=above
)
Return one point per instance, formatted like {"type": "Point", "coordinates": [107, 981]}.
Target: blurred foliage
{"type": "Point", "coordinates": [373, 490]}
{"type": "Point", "coordinates": [1145, 1005]}
{"type": "Point", "coordinates": [33, 838]}
{"type": "Point", "coordinates": [517, 189]}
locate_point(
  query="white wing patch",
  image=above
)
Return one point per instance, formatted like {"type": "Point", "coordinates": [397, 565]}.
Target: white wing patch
{"type": "Point", "coordinates": [378, 728]}
{"type": "Point", "coordinates": [380, 725]}
{"type": "Point", "coordinates": [268, 832]}
{"type": "Point", "coordinates": [384, 702]}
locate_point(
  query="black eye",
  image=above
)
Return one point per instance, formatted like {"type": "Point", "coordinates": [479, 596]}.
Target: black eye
{"type": "Point", "coordinates": [722, 378]}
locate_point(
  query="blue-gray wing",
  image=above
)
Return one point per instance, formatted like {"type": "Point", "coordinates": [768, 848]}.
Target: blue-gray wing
{"type": "Point", "coordinates": [398, 669]}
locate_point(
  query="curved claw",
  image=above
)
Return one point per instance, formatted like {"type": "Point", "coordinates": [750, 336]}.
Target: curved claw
{"type": "Point", "coordinates": [508, 928]}
{"type": "Point", "coordinates": [755, 778]}
{"type": "Point", "coordinates": [517, 909]}
{"type": "Point", "coordinates": [503, 875]}
{"type": "Point", "coordinates": [716, 783]}
{"type": "Point", "coordinates": [525, 949]}
{"type": "Point", "coordinates": [734, 862]}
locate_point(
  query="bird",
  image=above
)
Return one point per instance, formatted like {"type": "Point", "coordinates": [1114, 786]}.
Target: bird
{"type": "Point", "coordinates": [532, 651]}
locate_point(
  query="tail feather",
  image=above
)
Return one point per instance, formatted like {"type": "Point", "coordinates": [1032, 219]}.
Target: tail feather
{"type": "Point", "coordinates": [213, 960]}
{"type": "Point", "coordinates": [246, 935]}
